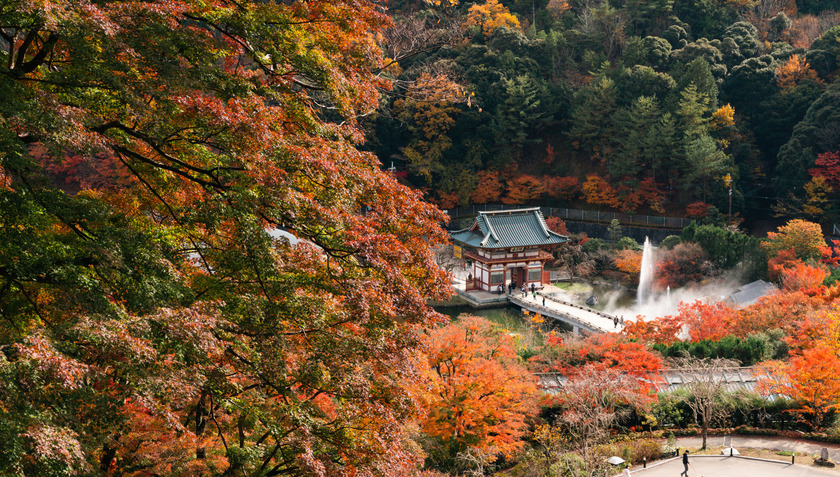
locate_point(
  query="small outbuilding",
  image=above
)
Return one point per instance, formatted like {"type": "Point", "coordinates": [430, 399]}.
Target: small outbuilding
{"type": "Point", "coordinates": [507, 247]}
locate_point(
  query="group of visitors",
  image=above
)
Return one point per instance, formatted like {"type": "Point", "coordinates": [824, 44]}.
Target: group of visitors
{"type": "Point", "coordinates": [512, 286]}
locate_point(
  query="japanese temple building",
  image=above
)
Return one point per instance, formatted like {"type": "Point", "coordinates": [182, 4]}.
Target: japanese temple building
{"type": "Point", "coordinates": [507, 246]}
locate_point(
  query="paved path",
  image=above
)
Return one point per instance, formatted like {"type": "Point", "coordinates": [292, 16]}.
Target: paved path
{"type": "Point", "coordinates": [723, 466]}
{"type": "Point", "coordinates": [761, 442]}
{"type": "Point", "coordinates": [576, 315]}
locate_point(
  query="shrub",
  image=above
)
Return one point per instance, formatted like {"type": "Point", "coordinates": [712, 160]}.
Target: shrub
{"type": "Point", "coordinates": [635, 450]}
{"type": "Point", "coordinates": [670, 242]}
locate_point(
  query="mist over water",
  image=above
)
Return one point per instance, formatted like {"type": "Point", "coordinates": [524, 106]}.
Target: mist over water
{"type": "Point", "coordinates": [652, 303]}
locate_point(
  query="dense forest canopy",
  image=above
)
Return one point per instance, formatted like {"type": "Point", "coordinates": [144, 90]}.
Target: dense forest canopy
{"type": "Point", "coordinates": [650, 103]}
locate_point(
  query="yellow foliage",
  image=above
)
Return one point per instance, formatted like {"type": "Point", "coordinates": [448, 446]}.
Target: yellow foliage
{"type": "Point", "coordinates": [817, 192]}
{"type": "Point", "coordinates": [724, 116]}
{"type": "Point", "coordinates": [490, 16]}
{"type": "Point", "coordinates": [442, 3]}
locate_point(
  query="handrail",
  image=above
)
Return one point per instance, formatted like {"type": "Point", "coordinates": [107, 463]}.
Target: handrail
{"type": "Point", "coordinates": [568, 317]}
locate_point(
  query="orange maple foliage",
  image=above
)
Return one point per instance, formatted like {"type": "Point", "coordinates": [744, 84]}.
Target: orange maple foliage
{"type": "Point", "coordinates": [556, 224]}
{"type": "Point", "coordinates": [831, 254]}
{"type": "Point", "coordinates": [779, 310]}
{"type": "Point", "coordinates": [660, 330]}
{"type": "Point", "coordinates": [783, 260]}
{"type": "Point", "coordinates": [812, 379]}
{"type": "Point", "coordinates": [480, 395]}
{"type": "Point", "coordinates": [610, 349]}
{"type": "Point", "coordinates": [558, 7]}
{"type": "Point", "coordinates": [523, 189]}
{"type": "Point", "coordinates": [562, 187]}
{"type": "Point", "coordinates": [200, 133]}
{"type": "Point", "coordinates": [697, 210]}
{"type": "Point", "coordinates": [598, 191]}
{"type": "Point", "coordinates": [707, 321]}
{"type": "Point", "coordinates": [629, 261]}
{"type": "Point", "coordinates": [796, 69]}
{"type": "Point", "coordinates": [489, 187]}
{"type": "Point", "coordinates": [447, 200]}
{"type": "Point", "coordinates": [801, 276]}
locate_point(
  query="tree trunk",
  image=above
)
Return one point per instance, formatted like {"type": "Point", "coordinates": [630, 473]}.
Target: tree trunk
{"type": "Point", "coordinates": [705, 432]}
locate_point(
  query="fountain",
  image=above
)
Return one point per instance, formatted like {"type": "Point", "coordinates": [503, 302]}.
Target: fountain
{"type": "Point", "coordinates": [645, 274]}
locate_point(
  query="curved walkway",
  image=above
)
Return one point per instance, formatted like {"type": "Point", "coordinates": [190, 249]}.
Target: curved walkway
{"type": "Point", "coordinates": [725, 466]}
{"type": "Point", "coordinates": [765, 442]}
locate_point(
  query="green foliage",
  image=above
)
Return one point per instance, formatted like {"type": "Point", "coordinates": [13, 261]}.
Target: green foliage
{"type": "Point", "coordinates": [744, 36]}
{"type": "Point", "coordinates": [824, 53]}
{"type": "Point", "coordinates": [627, 243]}
{"type": "Point", "coordinates": [653, 51]}
{"type": "Point", "coordinates": [700, 49]}
{"type": "Point", "coordinates": [751, 81]}
{"type": "Point", "coordinates": [592, 112]}
{"type": "Point", "coordinates": [726, 248]}
{"type": "Point", "coordinates": [699, 73]}
{"type": "Point", "coordinates": [644, 139]}
{"type": "Point", "coordinates": [594, 245]}
{"type": "Point", "coordinates": [833, 277]}
{"type": "Point", "coordinates": [811, 137]}
{"type": "Point", "coordinates": [670, 241]}
{"type": "Point", "coordinates": [638, 81]}
{"type": "Point", "coordinates": [755, 348]}
{"type": "Point", "coordinates": [615, 231]}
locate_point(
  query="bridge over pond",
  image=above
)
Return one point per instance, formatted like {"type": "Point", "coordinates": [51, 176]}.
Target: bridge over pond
{"type": "Point", "coordinates": [580, 318]}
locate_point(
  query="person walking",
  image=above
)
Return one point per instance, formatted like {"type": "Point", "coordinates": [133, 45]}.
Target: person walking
{"type": "Point", "coordinates": [685, 463]}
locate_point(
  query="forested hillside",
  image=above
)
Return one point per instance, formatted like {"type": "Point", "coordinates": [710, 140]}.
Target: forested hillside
{"type": "Point", "coordinates": [638, 106]}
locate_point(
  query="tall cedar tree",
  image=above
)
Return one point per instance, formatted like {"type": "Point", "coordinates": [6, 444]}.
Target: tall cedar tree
{"type": "Point", "coordinates": [152, 325]}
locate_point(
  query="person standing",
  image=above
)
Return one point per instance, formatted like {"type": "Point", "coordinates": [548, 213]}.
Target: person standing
{"type": "Point", "coordinates": [685, 463]}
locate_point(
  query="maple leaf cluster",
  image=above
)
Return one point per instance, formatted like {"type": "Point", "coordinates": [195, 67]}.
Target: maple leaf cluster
{"type": "Point", "coordinates": [198, 261]}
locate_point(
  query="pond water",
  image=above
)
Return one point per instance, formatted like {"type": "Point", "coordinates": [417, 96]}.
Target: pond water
{"type": "Point", "coordinates": [509, 317]}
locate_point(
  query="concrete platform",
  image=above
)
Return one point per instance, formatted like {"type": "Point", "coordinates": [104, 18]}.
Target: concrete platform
{"type": "Point", "coordinates": [724, 466]}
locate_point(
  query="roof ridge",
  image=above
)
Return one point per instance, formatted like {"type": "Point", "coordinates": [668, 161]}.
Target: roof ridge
{"type": "Point", "coordinates": [503, 211]}
{"type": "Point", "coordinates": [542, 223]}
{"type": "Point", "coordinates": [492, 233]}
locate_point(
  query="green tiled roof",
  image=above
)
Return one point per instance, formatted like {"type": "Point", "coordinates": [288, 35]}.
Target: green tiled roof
{"type": "Point", "coordinates": [508, 228]}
